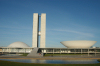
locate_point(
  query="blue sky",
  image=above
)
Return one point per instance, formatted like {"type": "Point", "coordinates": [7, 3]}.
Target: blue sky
{"type": "Point", "coordinates": [66, 20]}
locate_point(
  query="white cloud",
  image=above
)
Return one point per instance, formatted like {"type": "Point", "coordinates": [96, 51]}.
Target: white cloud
{"type": "Point", "coordinates": [15, 27]}
{"type": "Point", "coordinates": [77, 32]}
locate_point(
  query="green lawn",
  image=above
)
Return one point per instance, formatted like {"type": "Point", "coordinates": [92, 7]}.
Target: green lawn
{"type": "Point", "coordinates": [60, 54]}
{"type": "Point", "coordinates": [24, 54]}
{"type": "Point", "coordinates": [45, 55]}
{"type": "Point", "coordinates": [9, 63]}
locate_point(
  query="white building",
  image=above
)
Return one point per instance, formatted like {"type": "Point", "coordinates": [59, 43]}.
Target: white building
{"type": "Point", "coordinates": [36, 32]}
{"type": "Point", "coordinates": [79, 46]}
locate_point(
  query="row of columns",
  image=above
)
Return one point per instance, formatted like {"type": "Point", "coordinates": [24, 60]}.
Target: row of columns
{"type": "Point", "coordinates": [17, 50]}
{"type": "Point", "coordinates": [73, 52]}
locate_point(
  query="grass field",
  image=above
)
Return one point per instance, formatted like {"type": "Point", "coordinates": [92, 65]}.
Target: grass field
{"type": "Point", "coordinates": [9, 63]}
{"type": "Point", "coordinates": [24, 54]}
{"type": "Point", "coordinates": [45, 55]}
{"type": "Point", "coordinates": [61, 54]}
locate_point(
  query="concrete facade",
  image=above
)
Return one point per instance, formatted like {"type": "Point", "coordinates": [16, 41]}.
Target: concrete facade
{"type": "Point", "coordinates": [35, 53]}
{"type": "Point", "coordinates": [36, 32]}
{"type": "Point", "coordinates": [88, 51]}
{"type": "Point", "coordinates": [43, 30]}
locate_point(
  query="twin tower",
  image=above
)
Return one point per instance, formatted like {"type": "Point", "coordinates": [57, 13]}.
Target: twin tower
{"type": "Point", "coordinates": [36, 32]}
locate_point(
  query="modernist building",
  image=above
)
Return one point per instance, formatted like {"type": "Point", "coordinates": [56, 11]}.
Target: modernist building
{"type": "Point", "coordinates": [79, 46]}
{"type": "Point", "coordinates": [36, 31]}
{"type": "Point", "coordinates": [78, 43]}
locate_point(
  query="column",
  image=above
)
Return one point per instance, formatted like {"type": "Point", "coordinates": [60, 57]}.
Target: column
{"type": "Point", "coordinates": [88, 52]}
{"type": "Point", "coordinates": [81, 51]}
{"type": "Point", "coordinates": [95, 52]}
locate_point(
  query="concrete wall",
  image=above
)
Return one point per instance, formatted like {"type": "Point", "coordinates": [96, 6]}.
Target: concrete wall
{"type": "Point", "coordinates": [35, 30]}
{"type": "Point", "coordinates": [43, 30]}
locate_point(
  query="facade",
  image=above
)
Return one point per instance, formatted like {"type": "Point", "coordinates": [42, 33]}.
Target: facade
{"type": "Point", "coordinates": [93, 51]}
{"type": "Point", "coordinates": [36, 32]}
{"type": "Point", "coordinates": [43, 30]}
{"type": "Point", "coordinates": [78, 44]}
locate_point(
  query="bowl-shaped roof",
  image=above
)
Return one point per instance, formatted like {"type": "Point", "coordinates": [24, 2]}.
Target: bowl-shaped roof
{"type": "Point", "coordinates": [78, 44]}
{"type": "Point", "coordinates": [18, 45]}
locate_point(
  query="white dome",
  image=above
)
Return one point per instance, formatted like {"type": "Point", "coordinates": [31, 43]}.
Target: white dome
{"type": "Point", "coordinates": [18, 45]}
{"type": "Point", "coordinates": [78, 44]}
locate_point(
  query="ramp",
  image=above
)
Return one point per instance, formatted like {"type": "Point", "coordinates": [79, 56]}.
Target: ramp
{"type": "Point", "coordinates": [35, 53]}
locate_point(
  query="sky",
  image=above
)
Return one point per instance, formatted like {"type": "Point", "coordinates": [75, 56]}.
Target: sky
{"type": "Point", "coordinates": [66, 20]}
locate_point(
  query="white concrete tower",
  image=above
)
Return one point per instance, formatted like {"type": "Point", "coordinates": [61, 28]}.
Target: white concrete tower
{"type": "Point", "coordinates": [35, 30]}
{"type": "Point", "coordinates": [43, 30]}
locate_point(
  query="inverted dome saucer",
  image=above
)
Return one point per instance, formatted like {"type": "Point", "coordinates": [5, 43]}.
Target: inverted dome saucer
{"type": "Point", "coordinates": [78, 44]}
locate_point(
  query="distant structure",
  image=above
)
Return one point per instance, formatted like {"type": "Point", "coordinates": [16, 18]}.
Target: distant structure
{"type": "Point", "coordinates": [78, 43]}
{"type": "Point", "coordinates": [36, 32]}
{"type": "Point", "coordinates": [18, 45]}
{"type": "Point", "coordinates": [75, 47]}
